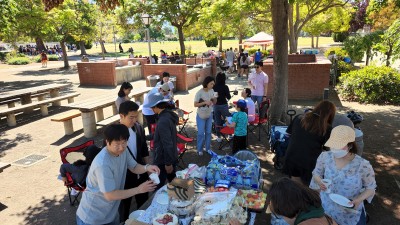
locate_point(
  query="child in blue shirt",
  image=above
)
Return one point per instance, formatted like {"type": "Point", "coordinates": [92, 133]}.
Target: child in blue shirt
{"type": "Point", "coordinates": [239, 122]}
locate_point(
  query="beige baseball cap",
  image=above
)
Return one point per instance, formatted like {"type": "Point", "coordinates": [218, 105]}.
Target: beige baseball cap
{"type": "Point", "coordinates": [165, 87]}
{"type": "Point", "coordinates": [340, 137]}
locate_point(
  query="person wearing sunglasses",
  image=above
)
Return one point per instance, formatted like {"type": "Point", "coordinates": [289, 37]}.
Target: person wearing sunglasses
{"type": "Point", "coordinates": [258, 82]}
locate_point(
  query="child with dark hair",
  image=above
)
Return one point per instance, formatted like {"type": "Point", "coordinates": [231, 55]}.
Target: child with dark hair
{"type": "Point", "coordinates": [106, 179]}
{"type": "Point", "coordinates": [239, 122]}
{"type": "Point", "coordinates": [79, 168]}
{"type": "Point", "coordinates": [123, 93]}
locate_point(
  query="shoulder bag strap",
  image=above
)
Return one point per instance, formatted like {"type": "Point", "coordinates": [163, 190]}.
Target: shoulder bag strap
{"type": "Point", "coordinates": [129, 150]}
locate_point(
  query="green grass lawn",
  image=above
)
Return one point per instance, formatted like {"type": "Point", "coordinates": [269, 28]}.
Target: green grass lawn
{"type": "Point", "coordinates": [141, 48]}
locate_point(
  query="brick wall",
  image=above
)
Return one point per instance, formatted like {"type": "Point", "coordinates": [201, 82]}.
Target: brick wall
{"type": "Point", "coordinates": [305, 81]}
{"type": "Point", "coordinates": [97, 74]}
{"type": "Point", "coordinates": [178, 70]}
{"type": "Point", "coordinates": [184, 79]}
{"type": "Point", "coordinates": [296, 58]}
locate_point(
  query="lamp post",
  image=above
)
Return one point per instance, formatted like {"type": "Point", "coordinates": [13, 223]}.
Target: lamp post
{"type": "Point", "coordinates": [146, 18]}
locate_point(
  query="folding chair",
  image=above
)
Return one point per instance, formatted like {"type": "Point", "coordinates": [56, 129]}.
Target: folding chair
{"type": "Point", "coordinates": [182, 148]}
{"type": "Point", "coordinates": [152, 129]}
{"type": "Point", "coordinates": [70, 184]}
{"type": "Point", "coordinates": [225, 131]}
{"type": "Point", "coordinates": [183, 119]}
{"type": "Point", "coordinates": [261, 121]}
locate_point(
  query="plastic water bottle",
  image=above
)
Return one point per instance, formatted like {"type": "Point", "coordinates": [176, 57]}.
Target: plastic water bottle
{"type": "Point", "coordinates": [239, 182]}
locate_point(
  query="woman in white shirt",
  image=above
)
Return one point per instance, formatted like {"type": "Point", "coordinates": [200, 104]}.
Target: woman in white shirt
{"type": "Point", "coordinates": [165, 79]}
{"type": "Point", "coordinates": [251, 108]}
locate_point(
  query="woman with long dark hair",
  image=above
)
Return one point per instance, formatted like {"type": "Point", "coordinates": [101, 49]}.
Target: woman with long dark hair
{"type": "Point", "coordinates": [221, 106]}
{"type": "Point", "coordinates": [123, 93]}
{"type": "Point", "coordinates": [296, 204]}
{"type": "Point", "coordinates": [308, 133]}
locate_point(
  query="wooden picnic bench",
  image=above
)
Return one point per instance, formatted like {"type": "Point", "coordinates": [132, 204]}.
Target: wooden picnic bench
{"type": "Point", "coordinates": [4, 166]}
{"type": "Point", "coordinates": [66, 118]}
{"type": "Point", "coordinates": [94, 106]}
{"type": "Point", "coordinates": [10, 112]}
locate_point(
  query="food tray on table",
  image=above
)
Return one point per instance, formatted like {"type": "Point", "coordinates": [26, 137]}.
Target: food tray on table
{"type": "Point", "coordinates": [253, 200]}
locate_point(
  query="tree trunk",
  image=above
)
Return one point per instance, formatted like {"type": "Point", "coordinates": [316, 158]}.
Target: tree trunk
{"type": "Point", "coordinates": [317, 41]}
{"type": "Point", "coordinates": [220, 43]}
{"type": "Point", "coordinates": [279, 104]}
{"type": "Point", "coordinates": [103, 49]}
{"type": "Point", "coordinates": [291, 29]}
{"type": "Point", "coordinates": [181, 39]}
{"type": "Point", "coordinates": [40, 44]}
{"type": "Point", "coordinates": [82, 46]}
{"type": "Point", "coordinates": [240, 41]}
{"type": "Point", "coordinates": [312, 41]}
{"type": "Point", "coordinates": [368, 56]}
{"type": "Point", "coordinates": [65, 56]}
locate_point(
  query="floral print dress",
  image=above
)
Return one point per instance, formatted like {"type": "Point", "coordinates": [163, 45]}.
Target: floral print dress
{"type": "Point", "coordinates": [349, 181]}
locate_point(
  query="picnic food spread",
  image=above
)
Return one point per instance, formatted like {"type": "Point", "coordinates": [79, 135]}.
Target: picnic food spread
{"type": "Point", "coordinates": [165, 219]}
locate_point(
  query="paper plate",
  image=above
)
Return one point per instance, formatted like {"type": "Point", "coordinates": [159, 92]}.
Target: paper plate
{"type": "Point", "coordinates": [162, 199]}
{"type": "Point", "coordinates": [136, 214]}
{"type": "Point", "coordinates": [341, 200]}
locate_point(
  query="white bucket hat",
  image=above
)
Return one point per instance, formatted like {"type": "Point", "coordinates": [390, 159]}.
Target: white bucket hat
{"type": "Point", "coordinates": [340, 137]}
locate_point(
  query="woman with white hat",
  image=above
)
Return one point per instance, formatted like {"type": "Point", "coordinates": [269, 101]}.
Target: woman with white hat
{"type": "Point", "coordinates": [350, 176]}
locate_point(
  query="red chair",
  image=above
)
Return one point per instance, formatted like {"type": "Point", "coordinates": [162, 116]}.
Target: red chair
{"type": "Point", "coordinates": [226, 132]}
{"type": "Point", "coordinates": [182, 148]}
{"type": "Point", "coordinates": [183, 119]}
{"type": "Point", "coordinates": [261, 121]}
{"type": "Point", "coordinates": [70, 184]}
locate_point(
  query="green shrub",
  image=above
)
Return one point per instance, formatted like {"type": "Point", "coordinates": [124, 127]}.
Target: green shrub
{"type": "Point", "coordinates": [213, 42]}
{"type": "Point", "coordinates": [18, 61]}
{"type": "Point", "coordinates": [339, 51]}
{"type": "Point", "coordinates": [354, 45]}
{"type": "Point", "coordinates": [339, 36]}
{"type": "Point", "coordinates": [372, 84]}
{"type": "Point", "coordinates": [38, 58]}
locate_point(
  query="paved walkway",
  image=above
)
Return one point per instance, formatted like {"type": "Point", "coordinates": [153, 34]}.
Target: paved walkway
{"type": "Point", "coordinates": [33, 195]}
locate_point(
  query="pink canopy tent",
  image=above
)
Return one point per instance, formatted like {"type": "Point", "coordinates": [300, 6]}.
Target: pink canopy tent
{"type": "Point", "coordinates": [261, 38]}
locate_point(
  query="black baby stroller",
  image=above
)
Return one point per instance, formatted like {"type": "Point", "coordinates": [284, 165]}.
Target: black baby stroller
{"type": "Point", "coordinates": [278, 142]}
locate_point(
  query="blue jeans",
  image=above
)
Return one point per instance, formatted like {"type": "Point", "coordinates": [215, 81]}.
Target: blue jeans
{"type": "Point", "coordinates": [220, 110]}
{"type": "Point", "coordinates": [258, 100]}
{"type": "Point", "coordinates": [203, 132]}
{"type": "Point", "coordinates": [80, 222]}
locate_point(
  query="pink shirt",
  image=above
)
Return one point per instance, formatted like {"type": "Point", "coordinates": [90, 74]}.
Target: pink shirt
{"type": "Point", "coordinates": [258, 80]}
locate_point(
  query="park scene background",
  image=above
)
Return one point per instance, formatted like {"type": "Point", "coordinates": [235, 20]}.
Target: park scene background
{"type": "Point", "coordinates": [364, 31]}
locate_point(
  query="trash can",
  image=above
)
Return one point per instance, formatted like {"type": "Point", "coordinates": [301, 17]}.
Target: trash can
{"type": "Point", "coordinates": [153, 79]}
{"type": "Point", "coordinates": [173, 80]}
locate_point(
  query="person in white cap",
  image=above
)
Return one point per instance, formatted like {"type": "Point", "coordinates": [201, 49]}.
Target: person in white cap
{"type": "Point", "coordinates": [351, 176]}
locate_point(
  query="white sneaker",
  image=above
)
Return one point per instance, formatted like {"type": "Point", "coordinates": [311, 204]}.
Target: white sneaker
{"type": "Point", "coordinates": [200, 153]}
{"type": "Point", "coordinates": [219, 140]}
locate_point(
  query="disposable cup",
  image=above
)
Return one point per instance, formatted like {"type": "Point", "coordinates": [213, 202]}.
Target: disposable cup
{"type": "Point", "coordinates": [154, 177]}
{"type": "Point", "coordinates": [328, 184]}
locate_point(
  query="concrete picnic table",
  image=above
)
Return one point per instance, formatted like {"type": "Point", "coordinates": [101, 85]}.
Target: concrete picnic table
{"type": "Point", "coordinates": [96, 105]}
{"type": "Point", "coordinates": [26, 94]}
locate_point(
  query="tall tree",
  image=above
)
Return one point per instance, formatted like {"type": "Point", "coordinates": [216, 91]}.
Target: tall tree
{"type": "Point", "coordinates": [280, 10]}
{"type": "Point", "coordinates": [360, 15]}
{"type": "Point", "coordinates": [390, 43]}
{"type": "Point", "coordinates": [302, 11]}
{"type": "Point", "coordinates": [382, 15]}
{"type": "Point", "coordinates": [8, 11]}
{"type": "Point", "coordinates": [179, 13]}
{"type": "Point", "coordinates": [86, 29]}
